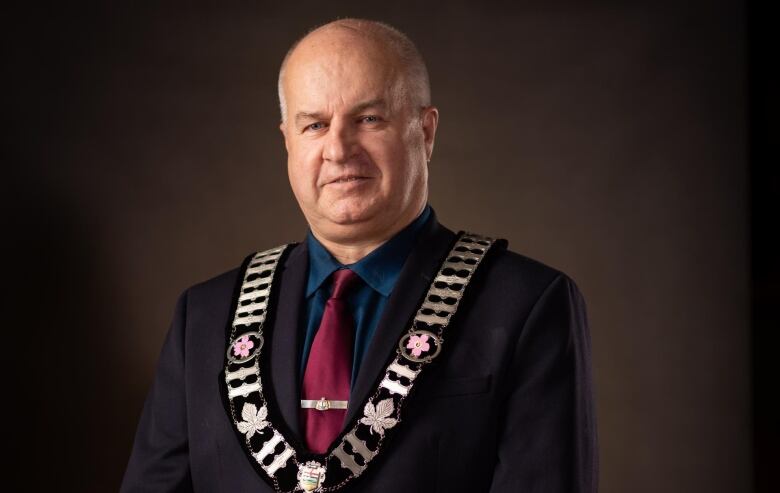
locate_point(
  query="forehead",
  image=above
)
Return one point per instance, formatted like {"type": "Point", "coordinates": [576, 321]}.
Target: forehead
{"type": "Point", "coordinates": [339, 68]}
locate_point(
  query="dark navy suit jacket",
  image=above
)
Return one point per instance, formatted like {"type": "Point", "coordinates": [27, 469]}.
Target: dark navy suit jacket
{"type": "Point", "coordinates": [507, 407]}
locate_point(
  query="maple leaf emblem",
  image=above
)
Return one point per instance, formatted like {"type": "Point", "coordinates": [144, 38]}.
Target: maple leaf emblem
{"type": "Point", "coordinates": [378, 418]}
{"type": "Point", "coordinates": [254, 420]}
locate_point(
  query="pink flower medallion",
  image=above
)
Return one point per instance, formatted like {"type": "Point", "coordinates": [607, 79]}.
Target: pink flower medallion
{"type": "Point", "coordinates": [420, 345]}
{"type": "Point", "coordinates": [245, 347]}
{"type": "Point", "coordinates": [242, 346]}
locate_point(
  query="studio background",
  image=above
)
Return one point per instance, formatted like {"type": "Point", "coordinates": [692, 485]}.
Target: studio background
{"type": "Point", "coordinates": [609, 141]}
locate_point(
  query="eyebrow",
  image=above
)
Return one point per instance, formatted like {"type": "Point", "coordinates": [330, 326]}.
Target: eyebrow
{"type": "Point", "coordinates": [372, 103]}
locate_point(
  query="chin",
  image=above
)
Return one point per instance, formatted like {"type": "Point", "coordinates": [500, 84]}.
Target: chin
{"type": "Point", "coordinates": [352, 213]}
{"type": "Point", "coordinates": [346, 218]}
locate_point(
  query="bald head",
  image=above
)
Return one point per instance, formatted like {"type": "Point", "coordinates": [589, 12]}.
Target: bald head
{"type": "Point", "coordinates": [376, 39]}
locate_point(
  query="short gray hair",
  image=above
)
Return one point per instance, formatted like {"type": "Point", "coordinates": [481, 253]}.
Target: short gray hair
{"type": "Point", "coordinates": [416, 73]}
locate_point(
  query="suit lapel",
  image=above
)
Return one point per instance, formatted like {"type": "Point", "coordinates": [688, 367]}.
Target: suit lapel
{"type": "Point", "coordinates": [285, 340]}
{"type": "Point", "coordinates": [432, 244]}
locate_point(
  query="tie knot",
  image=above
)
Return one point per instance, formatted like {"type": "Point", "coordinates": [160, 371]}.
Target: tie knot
{"type": "Point", "coordinates": [343, 281]}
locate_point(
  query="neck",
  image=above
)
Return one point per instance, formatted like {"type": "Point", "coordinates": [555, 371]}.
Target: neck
{"type": "Point", "coordinates": [350, 249]}
{"type": "Point", "coordinates": [349, 253]}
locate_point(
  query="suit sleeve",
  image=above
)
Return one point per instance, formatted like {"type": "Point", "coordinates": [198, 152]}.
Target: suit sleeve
{"type": "Point", "coordinates": [159, 461]}
{"type": "Point", "coordinates": [548, 440]}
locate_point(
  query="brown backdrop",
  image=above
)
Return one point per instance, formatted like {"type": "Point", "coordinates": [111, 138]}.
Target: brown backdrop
{"type": "Point", "coordinates": [608, 141]}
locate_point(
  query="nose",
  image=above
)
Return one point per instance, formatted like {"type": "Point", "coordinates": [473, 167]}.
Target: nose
{"type": "Point", "coordinates": [340, 143]}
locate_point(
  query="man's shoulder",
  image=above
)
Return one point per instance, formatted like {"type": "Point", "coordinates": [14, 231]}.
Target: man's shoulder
{"type": "Point", "coordinates": [223, 282]}
{"type": "Point", "coordinates": [511, 269]}
{"type": "Point", "coordinates": [516, 274]}
{"type": "Point", "coordinates": [514, 264]}
{"type": "Point", "coordinates": [226, 282]}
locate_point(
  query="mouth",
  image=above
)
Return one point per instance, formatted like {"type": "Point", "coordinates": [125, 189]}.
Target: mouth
{"type": "Point", "coordinates": [347, 179]}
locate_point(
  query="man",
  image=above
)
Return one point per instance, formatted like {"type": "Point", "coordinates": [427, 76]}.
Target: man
{"type": "Point", "coordinates": [385, 353]}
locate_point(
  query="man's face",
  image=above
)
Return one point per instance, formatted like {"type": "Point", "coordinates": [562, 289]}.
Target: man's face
{"type": "Point", "coordinates": [357, 147]}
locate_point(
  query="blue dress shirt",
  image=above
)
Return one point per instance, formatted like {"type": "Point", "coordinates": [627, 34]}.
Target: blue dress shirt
{"type": "Point", "coordinates": [378, 270]}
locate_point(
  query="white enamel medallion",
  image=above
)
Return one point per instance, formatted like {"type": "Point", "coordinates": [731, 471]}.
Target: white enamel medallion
{"type": "Point", "coordinates": [311, 475]}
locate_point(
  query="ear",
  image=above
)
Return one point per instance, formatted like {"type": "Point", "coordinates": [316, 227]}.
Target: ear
{"type": "Point", "coordinates": [430, 121]}
{"type": "Point", "coordinates": [283, 129]}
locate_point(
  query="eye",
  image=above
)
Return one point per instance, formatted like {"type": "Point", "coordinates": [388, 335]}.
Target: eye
{"type": "Point", "coordinates": [370, 119]}
{"type": "Point", "coordinates": [315, 126]}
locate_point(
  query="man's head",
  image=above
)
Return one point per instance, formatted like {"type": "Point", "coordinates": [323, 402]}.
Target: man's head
{"type": "Point", "coordinates": [358, 128]}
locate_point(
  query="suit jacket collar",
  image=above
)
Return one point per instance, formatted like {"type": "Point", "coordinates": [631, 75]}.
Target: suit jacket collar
{"type": "Point", "coordinates": [432, 244]}
{"type": "Point", "coordinates": [286, 340]}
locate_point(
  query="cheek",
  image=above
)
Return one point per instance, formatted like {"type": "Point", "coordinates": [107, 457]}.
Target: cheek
{"type": "Point", "coordinates": [390, 155]}
{"type": "Point", "coordinates": [299, 183]}
{"type": "Point", "coordinates": [407, 161]}
{"type": "Point", "coordinates": [303, 168]}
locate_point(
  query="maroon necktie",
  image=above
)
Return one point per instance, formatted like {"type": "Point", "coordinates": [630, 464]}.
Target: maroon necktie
{"type": "Point", "coordinates": [329, 368]}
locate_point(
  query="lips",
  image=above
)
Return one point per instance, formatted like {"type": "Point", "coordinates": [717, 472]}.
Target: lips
{"type": "Point", "coordinates": [347, 179]}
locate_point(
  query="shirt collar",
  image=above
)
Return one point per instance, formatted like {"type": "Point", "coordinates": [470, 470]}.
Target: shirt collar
{"type": "Point", "coordinates": [379, 269]}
